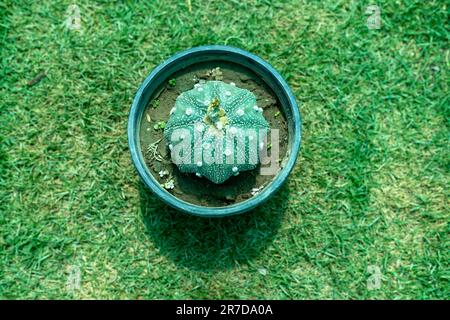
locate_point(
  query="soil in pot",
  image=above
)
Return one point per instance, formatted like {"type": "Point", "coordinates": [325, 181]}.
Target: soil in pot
{"type": "Point", "coordinates": [188, 187]}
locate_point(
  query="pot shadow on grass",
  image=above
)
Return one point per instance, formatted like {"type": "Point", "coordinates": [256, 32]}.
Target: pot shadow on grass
{"type": "Point", "coordinates": [207, 244]}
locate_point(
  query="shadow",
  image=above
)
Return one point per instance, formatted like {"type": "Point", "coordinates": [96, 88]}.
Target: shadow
{"type": "Point", "coordinates": [209, 192]}
{"type": "Point", "coordinates": [208, 244]}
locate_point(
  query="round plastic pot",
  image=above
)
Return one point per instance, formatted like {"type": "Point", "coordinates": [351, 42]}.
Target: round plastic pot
{"type": "Point", "coordinates": [162, 73]}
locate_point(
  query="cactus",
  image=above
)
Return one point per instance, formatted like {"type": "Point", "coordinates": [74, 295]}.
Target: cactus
{"type": "Point", "coordinates": [209, 120]}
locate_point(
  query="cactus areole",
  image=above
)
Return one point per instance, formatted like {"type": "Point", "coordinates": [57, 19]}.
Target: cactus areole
{"type": "Point", "coordinates": [216, 131]}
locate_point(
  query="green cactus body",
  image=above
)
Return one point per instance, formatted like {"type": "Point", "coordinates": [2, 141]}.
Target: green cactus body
{"type": "Point", "coordinates": [217, 129]}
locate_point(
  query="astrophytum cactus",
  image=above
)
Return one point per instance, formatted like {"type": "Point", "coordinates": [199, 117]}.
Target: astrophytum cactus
{"type": "Point", "coordinates": [215, 131]}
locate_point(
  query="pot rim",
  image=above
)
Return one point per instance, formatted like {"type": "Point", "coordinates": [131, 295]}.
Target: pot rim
{"type": "Point", "coordinates": [184, 206]}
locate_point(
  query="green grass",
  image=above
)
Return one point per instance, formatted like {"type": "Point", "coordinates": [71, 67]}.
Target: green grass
{"type": "Point", "coordinates": [370, 187]}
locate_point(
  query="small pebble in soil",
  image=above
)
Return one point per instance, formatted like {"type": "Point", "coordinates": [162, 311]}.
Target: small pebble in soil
{"type": "Point", "coordinates": [169, 184]}
{"type": "Point", "coordinates": [163, 173]}
{"type": "Point", "coordinates": [230, 197]}
{"type": "Point", "coordinates": [155, 104]}
{"type": "Point", "coordinates": [159, 125]}
{"type": "Point", "coordinates": [233, 84]}
{"type": "Point", "coordinates": [255, 191]}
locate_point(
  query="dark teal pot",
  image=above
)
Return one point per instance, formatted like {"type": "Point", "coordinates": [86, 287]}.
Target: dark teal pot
{"type": "Point", "coordinates": [163, 72]}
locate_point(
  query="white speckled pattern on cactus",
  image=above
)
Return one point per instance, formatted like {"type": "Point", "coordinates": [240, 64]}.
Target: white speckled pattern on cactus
{"type": "Point", "coordinates": [189, 113]}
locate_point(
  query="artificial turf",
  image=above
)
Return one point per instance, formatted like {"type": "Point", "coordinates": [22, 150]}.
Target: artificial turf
{"type": "Point", "coordinates": [369, 191]}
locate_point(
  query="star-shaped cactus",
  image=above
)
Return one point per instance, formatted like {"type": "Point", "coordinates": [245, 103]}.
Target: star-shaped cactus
{"type": "Point", "coordinates": [216, 131]}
